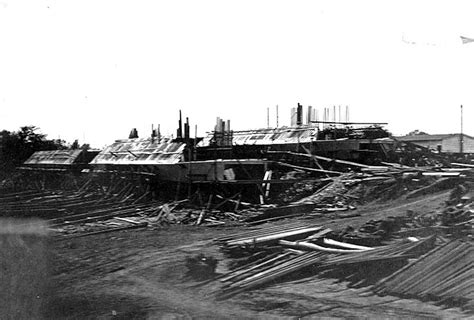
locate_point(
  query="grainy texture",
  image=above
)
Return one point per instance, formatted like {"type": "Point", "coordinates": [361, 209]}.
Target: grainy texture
{"type": "Point", "coordinates": [24, 269]}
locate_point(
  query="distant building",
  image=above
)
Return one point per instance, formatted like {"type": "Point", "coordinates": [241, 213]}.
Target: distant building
{"type": "Point", "coordinates": [446, 143]}
{"type": "Point", "coordinates": [60, 160]}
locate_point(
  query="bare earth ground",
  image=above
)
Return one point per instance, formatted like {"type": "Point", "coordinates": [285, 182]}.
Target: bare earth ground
{"type": "Point", "coordinates": [141, 274]}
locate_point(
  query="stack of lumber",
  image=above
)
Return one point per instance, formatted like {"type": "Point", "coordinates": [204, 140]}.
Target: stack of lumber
{"type": "Point", "coordinates": [346, 191]}
{"type": "Point", "coordinates": [305, 257]}
{"type": "Point", "coordinates": [254, 240]}
{"type": "Point", "coordinates": [444, 274]}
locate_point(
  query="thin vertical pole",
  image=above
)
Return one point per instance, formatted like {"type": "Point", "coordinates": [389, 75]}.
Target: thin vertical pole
{"type": "Point", "coordinates": [339, 114]}
{"type": "Point", "coordinates": [268, 117]}
{"type": "Point", "coordinates": [277, 116]}
{"type": "Point", "coordinates": [461, 141]}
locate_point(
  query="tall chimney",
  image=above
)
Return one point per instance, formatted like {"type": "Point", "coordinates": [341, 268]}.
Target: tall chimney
{"type": "Point", "coordinates": [339, 114]}
{"type": "Point", "coordinates": [133, 134]}
{"type": "Point", "coordinates": [309, 115]}
{"type": "Point", "coordinates": [186, 129]}
{"type": "Point", "coordinates": [325, 117]}
{"type": "Point", "coordinates": [179, 132]}
{"type": "Point", "coordinates": [293, 117]}
{"type": "Point", "coordinates": [268, 117]}
{"type": "Point", "coordinates": [299, 115]}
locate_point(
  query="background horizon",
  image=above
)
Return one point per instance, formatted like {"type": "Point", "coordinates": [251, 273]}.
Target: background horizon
{"type": "Point", "coordinates": [93, 70]}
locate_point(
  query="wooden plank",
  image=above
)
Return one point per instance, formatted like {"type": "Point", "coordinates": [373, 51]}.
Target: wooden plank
{"type": "Point", "coordinates": [306, 168]}
{"type": "Point", "coordinates": [349, 163]}
{"type": "Point", "coordinates": [462, 165]}
{"type": "Point", "coordinates": [128, 220]}
{"type": "Point", "coordinates": [346, 245]}
{"type": "Point", "coordinates": [259, 181]}
{"type": "Point", "coordinates": [314, 247]}
{"type": "Point", "coordinates": [268, 238]}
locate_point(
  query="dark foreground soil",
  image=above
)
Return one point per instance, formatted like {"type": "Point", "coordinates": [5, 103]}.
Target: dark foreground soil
{"type": "Point", "coordinates": [141, 274]}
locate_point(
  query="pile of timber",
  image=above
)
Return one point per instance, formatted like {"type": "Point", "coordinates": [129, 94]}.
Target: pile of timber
{"type": "Point", "coordinates": [121, 205]}
{"type": "Point", "coordinates": [94, 209]}
{"type": "Point", "coordinates": [341, 194]}
{"type": "Point", "coordinates": [329, 199]}
{"type": "Point", "coordinates": [455, 220]}
{"type": "Point", "coordinates": [445, 274]}
{"type": "Point", "coordinates": [137, 215]}
{"type": "Point", "coordinates": [374, 231]}
{"type": "Point", "coordinates": [307, 250]}
{"type": "Point", "coordinates": [263, 239]}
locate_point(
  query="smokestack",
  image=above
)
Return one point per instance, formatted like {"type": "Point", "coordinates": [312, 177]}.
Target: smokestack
{"type": "Point", "coordinates": [328, 115]}
{"type": "Point", "coordinates": [309, 115]}
{"type": "Point", "coordinates": [325, 117]}
{"type": "Point", "coordinates": [179, 132]}
{"type": "Point", "coordinates": [268, 117]}
{"type": "Point", "coordinates": [218, 125]}
{"type": "Point", "coordinates": [228, 126]}
{"type": "Point", "coordinates": [293, 117]}
{"type": "Point", "coordinates": [158, 133]}
{"type": "Point", "coordinates": [347, 113]}
{"type": "Point", "coordinates": [299, 115]}
{"type": "Point", "coordinates": [133, 134]}
{"type": "Point", "coordinates": [339, 114]}
{"type": "Point", "coordinates": [333, 113]}
{"type": "Point", "coordinates": [186, 129]}
{"type": "Point", "coordinates": [195, 139]}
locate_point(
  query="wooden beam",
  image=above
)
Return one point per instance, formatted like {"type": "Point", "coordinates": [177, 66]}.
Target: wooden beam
{"type": "Point", "coordinates": [306, 168]}
{"type": "Point", "coordinates": [314, 247]}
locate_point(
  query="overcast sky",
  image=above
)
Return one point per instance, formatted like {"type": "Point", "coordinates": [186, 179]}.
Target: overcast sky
{"type": "Point", "coordinates": [95, 69]}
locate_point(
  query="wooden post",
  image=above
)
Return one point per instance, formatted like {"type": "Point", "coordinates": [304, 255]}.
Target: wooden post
{"type": "Point", "coordinates": [238, 202]}
{"type": "Point", "coordinates": [266, 185]}
{"type": "Point", "coordinates": [203, 212]}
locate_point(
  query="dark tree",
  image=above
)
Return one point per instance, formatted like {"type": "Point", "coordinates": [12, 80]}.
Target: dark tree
{"type": "Point", "coordinates": [416, 133]}
{"type": "Point", "coordinates": [75, 145]}
{"type": "Point", "coordinates": [16, 147]}
{"type": "Point", "coordinates": [85, 146]}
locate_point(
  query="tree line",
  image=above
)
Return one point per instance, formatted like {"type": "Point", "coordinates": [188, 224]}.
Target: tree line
{"type": "Point", "coordinates": [17, 146]}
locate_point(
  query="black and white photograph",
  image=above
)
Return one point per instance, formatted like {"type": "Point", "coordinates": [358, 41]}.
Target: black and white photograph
{"type": "Point", "coordinates": [265, 159]}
